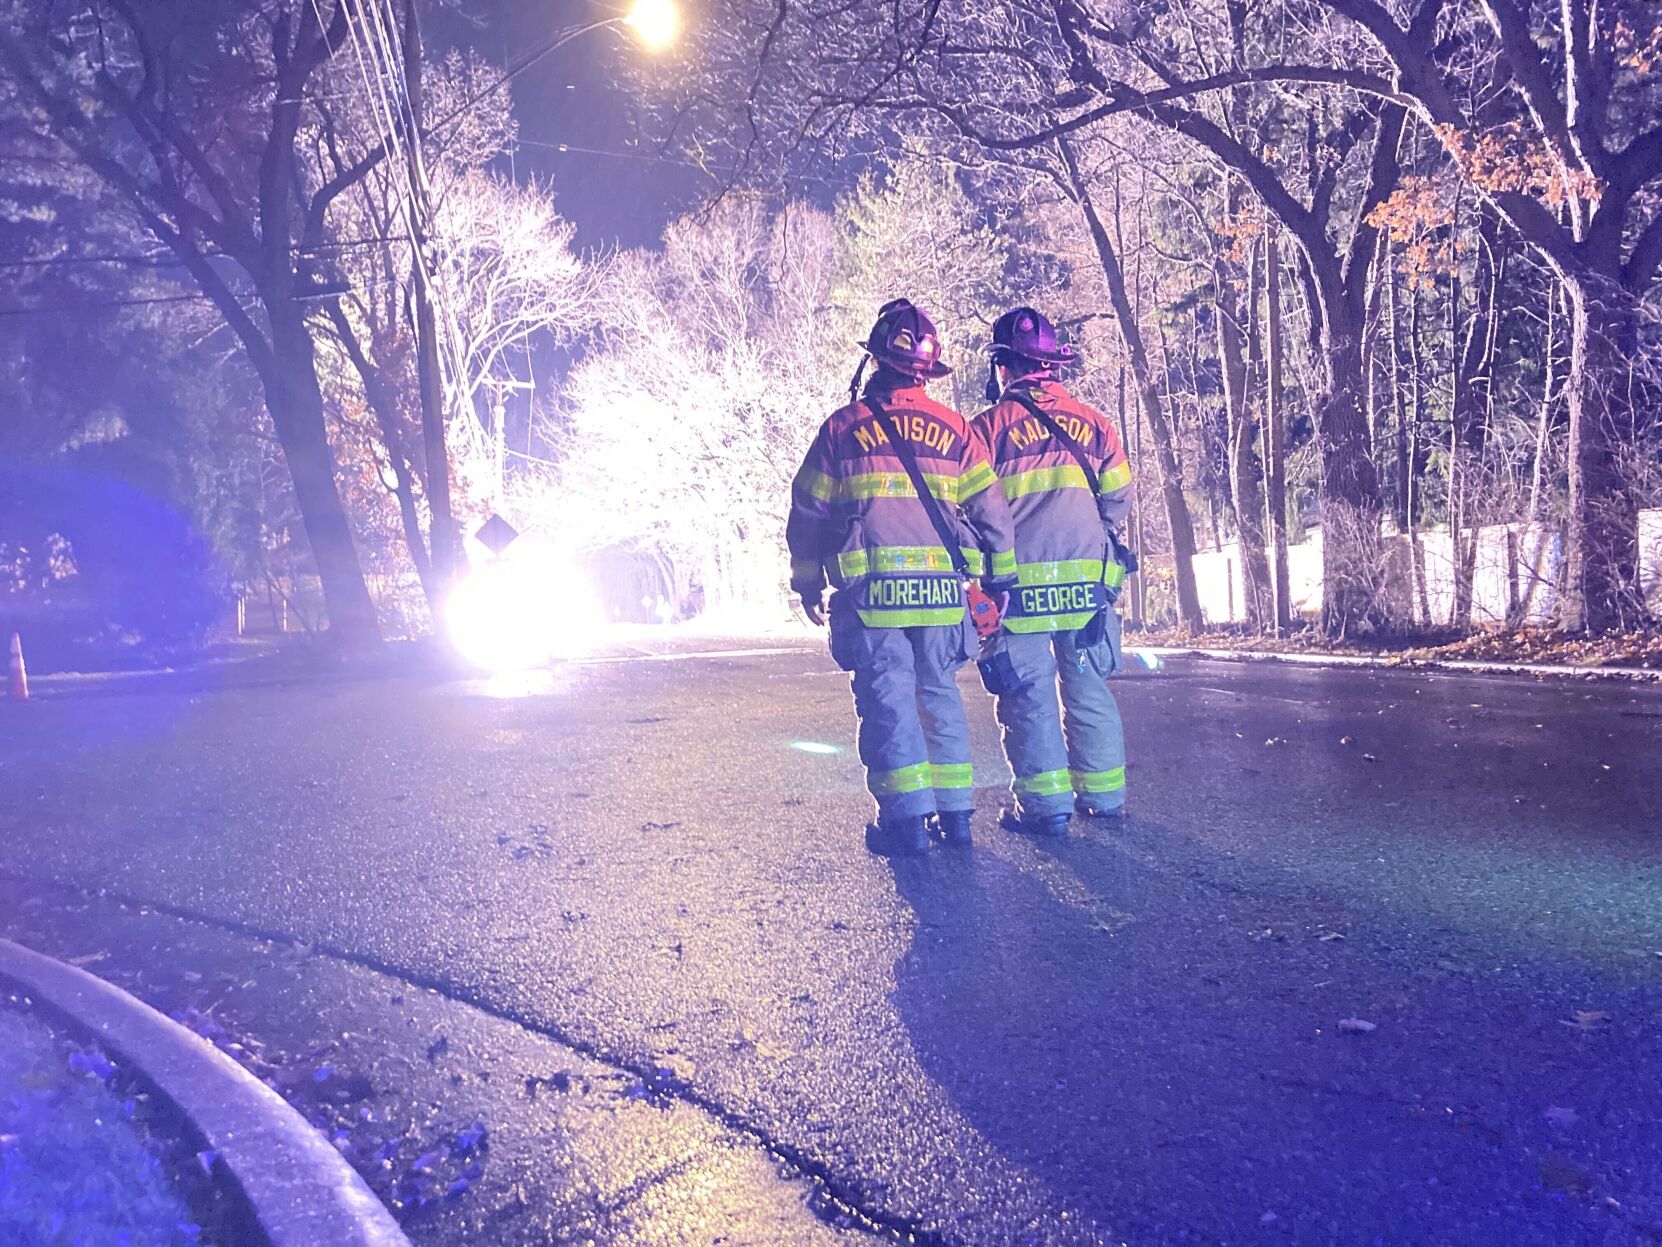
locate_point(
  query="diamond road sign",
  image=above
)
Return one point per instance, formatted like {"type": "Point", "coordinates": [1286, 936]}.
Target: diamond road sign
{"type": "Point", "coordinates": [496, 534]}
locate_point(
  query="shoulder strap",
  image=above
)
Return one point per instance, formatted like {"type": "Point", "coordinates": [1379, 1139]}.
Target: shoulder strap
{"type": "Point", "coordinates": [931, 505]}
{"type": "Point", "coordinates": [1123, 553]}
{"type": "Point", "coordinates": [1069, 443]}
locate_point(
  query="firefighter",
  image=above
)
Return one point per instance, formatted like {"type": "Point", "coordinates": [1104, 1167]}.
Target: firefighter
{"type": "Point", "coordinates": [897, 618]}
{"type": "Point", "coordinates": [1064, 472]}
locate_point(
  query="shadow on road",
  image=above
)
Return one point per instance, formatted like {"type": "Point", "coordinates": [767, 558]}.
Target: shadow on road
{"type": "Point", "coordinates": [1115, 1029]}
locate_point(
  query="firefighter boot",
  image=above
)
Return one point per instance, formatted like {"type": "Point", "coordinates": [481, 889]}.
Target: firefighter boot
{"type": "Point", "coordinates": [898, 835]}
{"type": "Point", "coordinates": [953, 826]}
{"type": "Point", "coordinates": [1086, 808]}
{"type": "Point", "coordinates": [1046, 826]}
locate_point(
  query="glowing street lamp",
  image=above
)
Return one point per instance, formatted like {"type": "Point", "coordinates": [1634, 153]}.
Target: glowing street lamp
{"type": "Point", "coordinates": [655, 23]}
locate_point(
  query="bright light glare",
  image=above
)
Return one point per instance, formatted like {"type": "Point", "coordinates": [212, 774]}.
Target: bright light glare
{"type": "Point", "coordinates": [523, 610]}
{"type": "Point", "coordinates": [814, 746]}
{"type": "Point", "coordinates": [655, 23]}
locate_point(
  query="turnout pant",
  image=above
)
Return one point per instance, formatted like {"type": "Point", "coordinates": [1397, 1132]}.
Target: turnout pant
{"type": "Point", "coordinates": [913, 734]}
{"type": "Point", "coordinates": [1082, 750]}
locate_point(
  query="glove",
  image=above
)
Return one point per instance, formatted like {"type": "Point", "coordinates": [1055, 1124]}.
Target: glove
{"type": "Point", "coordinates": [813, 606]}
{"type": "Point", "coordinates": [1123, 554]}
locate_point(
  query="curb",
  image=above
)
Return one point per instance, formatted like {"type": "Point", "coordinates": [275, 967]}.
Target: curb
{"type": "Point", "coordinates": [301, 1191]}
{"type": "Point", "coordinates": [1636, 674]}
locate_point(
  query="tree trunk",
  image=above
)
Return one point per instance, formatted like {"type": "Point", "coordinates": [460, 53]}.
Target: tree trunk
{"type": "Point", "coordinates": [1601, 552]}
{"type": "Point", "coordinates": [1538, 472]}
{"type": "Point", "coordinates": [296, 405]}
{"type": "Point", "coordinates": [384, 406]}
{"type": "Point", "coordinates": [1148, 397]}
{"type": "Point", "coordinates": [1246, 490]}
{"type": "Point", "coordinates": [445, 540]}
{"type": "Point", "coordinates": [1275, 440]}
{"type": "Point", "coordinates": [1131, 441]}
{"type": "Point", "coordinates": [1352, 553]}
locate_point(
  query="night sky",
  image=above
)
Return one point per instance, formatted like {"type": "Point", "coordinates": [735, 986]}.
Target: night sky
{"type": "Point", "coordinates": [609, 183]}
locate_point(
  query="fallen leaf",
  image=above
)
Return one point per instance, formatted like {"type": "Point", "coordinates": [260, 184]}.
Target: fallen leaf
{"type": "Point", "coordinates": [1560, 1116]}
{"type": "Point", "coordinates": [1560, 1175]}
{"type": "Point", "coordinates": [1347, 740]}
{"type": "Point", "coordinates": [1330, 935]}
{"type": "Point", "coordinates": [1586, 1019]}
{"type": "Point", "coordinates": [1356, 1026]}
{"type": "Point", "coordinates": [1368, 757]}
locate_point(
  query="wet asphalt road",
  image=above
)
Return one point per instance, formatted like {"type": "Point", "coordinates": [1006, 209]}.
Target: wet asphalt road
{"type": "Point", "coordinates": [1131, 1036]}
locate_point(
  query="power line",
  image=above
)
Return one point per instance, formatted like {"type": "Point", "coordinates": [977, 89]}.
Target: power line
{"type": "Point", "coordinates": [668, 160]}
{"type": "Point", "coordinates": [247, 299]}
{"type": "Point", "coordinates": [63, 308]}
{"type": "Point", "coordinates": [168, 259]}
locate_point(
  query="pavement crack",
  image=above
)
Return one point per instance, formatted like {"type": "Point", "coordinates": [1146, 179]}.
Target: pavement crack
{"type": "Point", "coordinates": [832, 1198]}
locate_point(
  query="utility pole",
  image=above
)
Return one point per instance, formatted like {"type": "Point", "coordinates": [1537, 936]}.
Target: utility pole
{"type": "Point", "coordinates": [499, 427]}
{"type": "Point", "coordinates": [446, 549]}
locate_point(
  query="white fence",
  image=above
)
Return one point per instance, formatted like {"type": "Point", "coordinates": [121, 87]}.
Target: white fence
{"type": "Point", "coordinates": [1514, 570]}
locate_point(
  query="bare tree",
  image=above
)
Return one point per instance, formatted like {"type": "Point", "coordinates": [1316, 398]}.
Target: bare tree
{"type": "Point", "coordinates": [679, 431]}
{"type": "Point", "coordinates": [192, 118]}
{"type": "Point", "coordinates": [1015, 77]}
{"type": "Point", "coordinates": [1574, 165]}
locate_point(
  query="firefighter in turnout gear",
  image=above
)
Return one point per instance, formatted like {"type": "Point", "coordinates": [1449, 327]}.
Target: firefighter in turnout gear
{"type": "Point", "coordinates": [1062, 469]}
{"type": "Point", "coordinates": [897, 505]}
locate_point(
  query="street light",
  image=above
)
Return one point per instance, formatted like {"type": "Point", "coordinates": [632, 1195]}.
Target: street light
{"type": "Point", "coordinates": [655, 23]}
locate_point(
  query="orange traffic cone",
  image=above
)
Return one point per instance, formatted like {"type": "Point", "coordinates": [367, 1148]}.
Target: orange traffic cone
{"type": "Point", "coordinates": [19, 674]}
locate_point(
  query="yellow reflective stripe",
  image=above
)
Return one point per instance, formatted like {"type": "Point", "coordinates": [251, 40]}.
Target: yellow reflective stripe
{"type": "Point", "coordinates": [869, 485]}
{"type": "Point", "coordinates": [1115, 478]}
{"type": "Point", "coordinates": [1099, 781]}
{"type": "Point", "coordinates": [952, 775]}
{"type": "Point", "coordinates": [892, 783]}
{"type": "Point", "coordinates": [806, 569]}
{"type": "Point", "coordinates": [1113, 575]}
{"type": "Point", "coordinates": [1004, 563]}
{"type": "Point", "coordinates": [932, 617]}
{"type": "Point", "coordinates": [1062, 572]}
{"type": "Point", "coordinates": [980, 477]}
{"type": "Point", "coordinates": [817, 484]}
{"type": "Point", "coordinates": [1025, 624]}
{"type": "Point", "coordinates": [1045, 784]}
{"type": "Point", "coordinates": [909, 559]}
{"type": "Point", "coordinates": [894, 559]}
{"type": "Point", "coordinates": [1040, 480]}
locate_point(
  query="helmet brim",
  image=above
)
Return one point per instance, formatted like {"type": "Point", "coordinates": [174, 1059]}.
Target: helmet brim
{"type": "Point", "coordinates": [1059, 358]}
{"type": "Point", "coordinates": [931, 372]}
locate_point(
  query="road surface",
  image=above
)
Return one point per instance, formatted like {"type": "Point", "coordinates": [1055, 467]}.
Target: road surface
{"type": "Point", "coordinates": [1377, 959]}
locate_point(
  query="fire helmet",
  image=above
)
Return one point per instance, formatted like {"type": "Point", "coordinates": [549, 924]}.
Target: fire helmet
{"type": "Point", "coordinates": [904, 338]}
{"type": "Point", "coordinates": [1025, 334]}
{"type": "Point", "coordinates": [1024, 341]}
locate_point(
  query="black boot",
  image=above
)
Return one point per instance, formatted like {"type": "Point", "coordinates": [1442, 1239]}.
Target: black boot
{"type": "Point", "coordinates": [953, 826]}
{"type": "Point", "coordinates": [898, 837]}
{"type": "Point", "coordinates": [1045, 826]}
{"type": "Point", "coordinates": [1087, 808]}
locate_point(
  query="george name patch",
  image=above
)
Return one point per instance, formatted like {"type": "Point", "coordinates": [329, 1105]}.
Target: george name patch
{"type": "Point", "coordinates": [1058, 599]}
